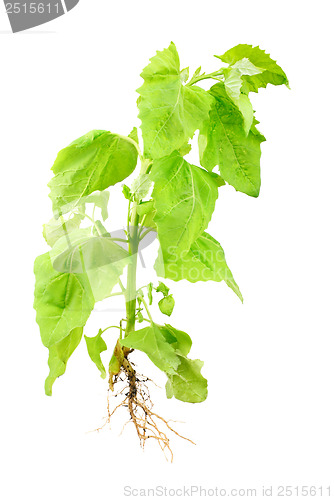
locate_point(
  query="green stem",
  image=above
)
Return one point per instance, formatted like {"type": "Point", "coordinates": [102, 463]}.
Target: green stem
{"type": "Point", "coordinates": [198, 78]}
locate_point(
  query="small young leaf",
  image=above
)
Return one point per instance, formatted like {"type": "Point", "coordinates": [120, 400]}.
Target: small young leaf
{"type": "Point", "coordinates": [140, 187]}
{"type": "Point", "coordinates": [162, 288]}
{"type": "Point", "coordinates": [149, 293]}
{"type": "Point", "coordinates": [145, 207]}
{"type": "Point", "coordinates": [96, 345]}
{"type": "Point", "coordinates": [185, 149]}
{"type": "Point", "coordinates": [93, 162]}
{"type": "Point", "coordinates": [126, 192]}
{"type": "Point", "coordinates": [59, 354]}
{"type": "Point", "coordinates": [166, 305]}
{"type": "Point", "coordinates": [62, 302]}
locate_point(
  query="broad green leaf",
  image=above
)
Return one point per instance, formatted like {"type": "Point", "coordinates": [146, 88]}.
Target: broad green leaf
{"type": "Point", "coordinates": [223, 142]}
{"type": "Point", "coordinates": [184, 198]}
{"type": "Point", "coordinates": [96, 345]}
{"type": "Point", "coordinates": [205, 261]}
{"type": "Point", "coordinates": [141, 187]}
{"type": "Point", "coordinates": [100, 257]}
{"type": "Point", "coordinates": [272, 72]}
{"type": "Point", "coordinates": [63, 301]}
{"type": "Point", "coordinates": [152, 341]}
{"type": "Point", "coordinates": [246, 109]}
{"type": "Point", "coordinates": [94, 162]}
{"type": "Point", "coordinates": [188, 384]}
{"type": "Point", "coordinates": [80, 252]}
{"type": "Point", "coordinates": [162, 288]}
{"type": "Point", "coordinates": [101, 200]}
{"type": "Point", "coordinates": [59, 354]}
{"type": "Point", "coordinates": [166, 305]}
{"type": "Point", "coordinates": [170, 111]}
{"type": "Point", "coordinates": [56, 228]}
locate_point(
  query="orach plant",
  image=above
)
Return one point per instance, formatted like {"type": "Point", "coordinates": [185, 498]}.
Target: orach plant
{"type": "Point", "coordinates": [170, 197]}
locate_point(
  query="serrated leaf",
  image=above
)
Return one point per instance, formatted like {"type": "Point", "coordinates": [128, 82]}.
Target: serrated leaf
{"type": "Point", "coordinates": [184, 198]}
{"type": "Point", "coordinates": [62, 302]}
{"type": "Point", "coordinates": [96, 345]}
{"type": "Point", "coordinates": [59, 355]}
{"type": "Point", "coordinates": [223, 142]}
{"type": "Point", "coordinates": [170, 112]}
{"type": "Point", "coordinates": [152, 341]}
{"type": "Point", "coordinates": [188, 384]}
{"type": "Point", "coordinates": [56, 228]}
{"type": "Point", "coordinates": [94, 162]}
{"type": "Point", "coordinates": [205, 261]}
{"type": "Point", "coordinates": [101, 200]}
{"type": "Point", "coordinates": [166, 305]}
{"type": "Point", "coordinates": [141, 187]}
{"type": "Point", "coordinates": [272, 72]}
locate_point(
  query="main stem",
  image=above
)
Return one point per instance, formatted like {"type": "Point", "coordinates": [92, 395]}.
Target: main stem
{"type": "Point", "coordinates": [131, 288]}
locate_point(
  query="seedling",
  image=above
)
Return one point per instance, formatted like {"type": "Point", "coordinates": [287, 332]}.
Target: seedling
{"type": "Point", "coordinates": [171, 198]}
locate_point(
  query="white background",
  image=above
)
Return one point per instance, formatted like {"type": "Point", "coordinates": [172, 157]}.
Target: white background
{"type": "Point", "coordinates": [269, 416]}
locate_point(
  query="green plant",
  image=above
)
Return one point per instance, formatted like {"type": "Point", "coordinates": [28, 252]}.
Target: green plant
{"type": "Point", "coordinates": [171, 197]}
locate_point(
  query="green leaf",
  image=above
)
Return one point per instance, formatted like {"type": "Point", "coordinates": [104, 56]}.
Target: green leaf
{"type": "Point", "coordinates": [184, 198]}
{"type": "Point", "coordinates": [100, 257]}
{"type": "Point", "coordinates": [182, 340]}
{"type": "Point", "coordinates": [141, 187]}
{"type": "Point", "coordinates": [63, 302]}
{"type": "Point", "coordinates": [126, 192]}
{"type": "Point", "coordinates": [96, 345]}
{"type": "Point", "coordinates": [101, 200]}
{"type": "Point", "coordinates": [56, 228]}
{"type": "Point", "coordinates": [149, 293]}
{"type": "Point", "coordinates": [166, 305]}
{"type": "Point", "coordinates": [162, 288]}
{"type": "Point", "coordinates": [80, 252]}
{"type": "Point", "coordinates": [170, 112]}
{"type": "Point", "coordinates": [272, 72]}
{"type": "Point", "coordinates": [152, 341]}
{"type": "Point", "coordinates": [223, 142]}
{"type": "Point", "coordinates": [205, 261]}
{"type": "Point", "coordinates": [145, 207]}
{"type": "Point", "coordinates": [134, 135]}
{"type": "Point", "coordinates": [185, 149]}
{"type": "Point", "coordinates": [59, 354]}
{"type": "Point", "coordinates": [94, 162]}
{"type": "Point", "coordinates": [188, 384]}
